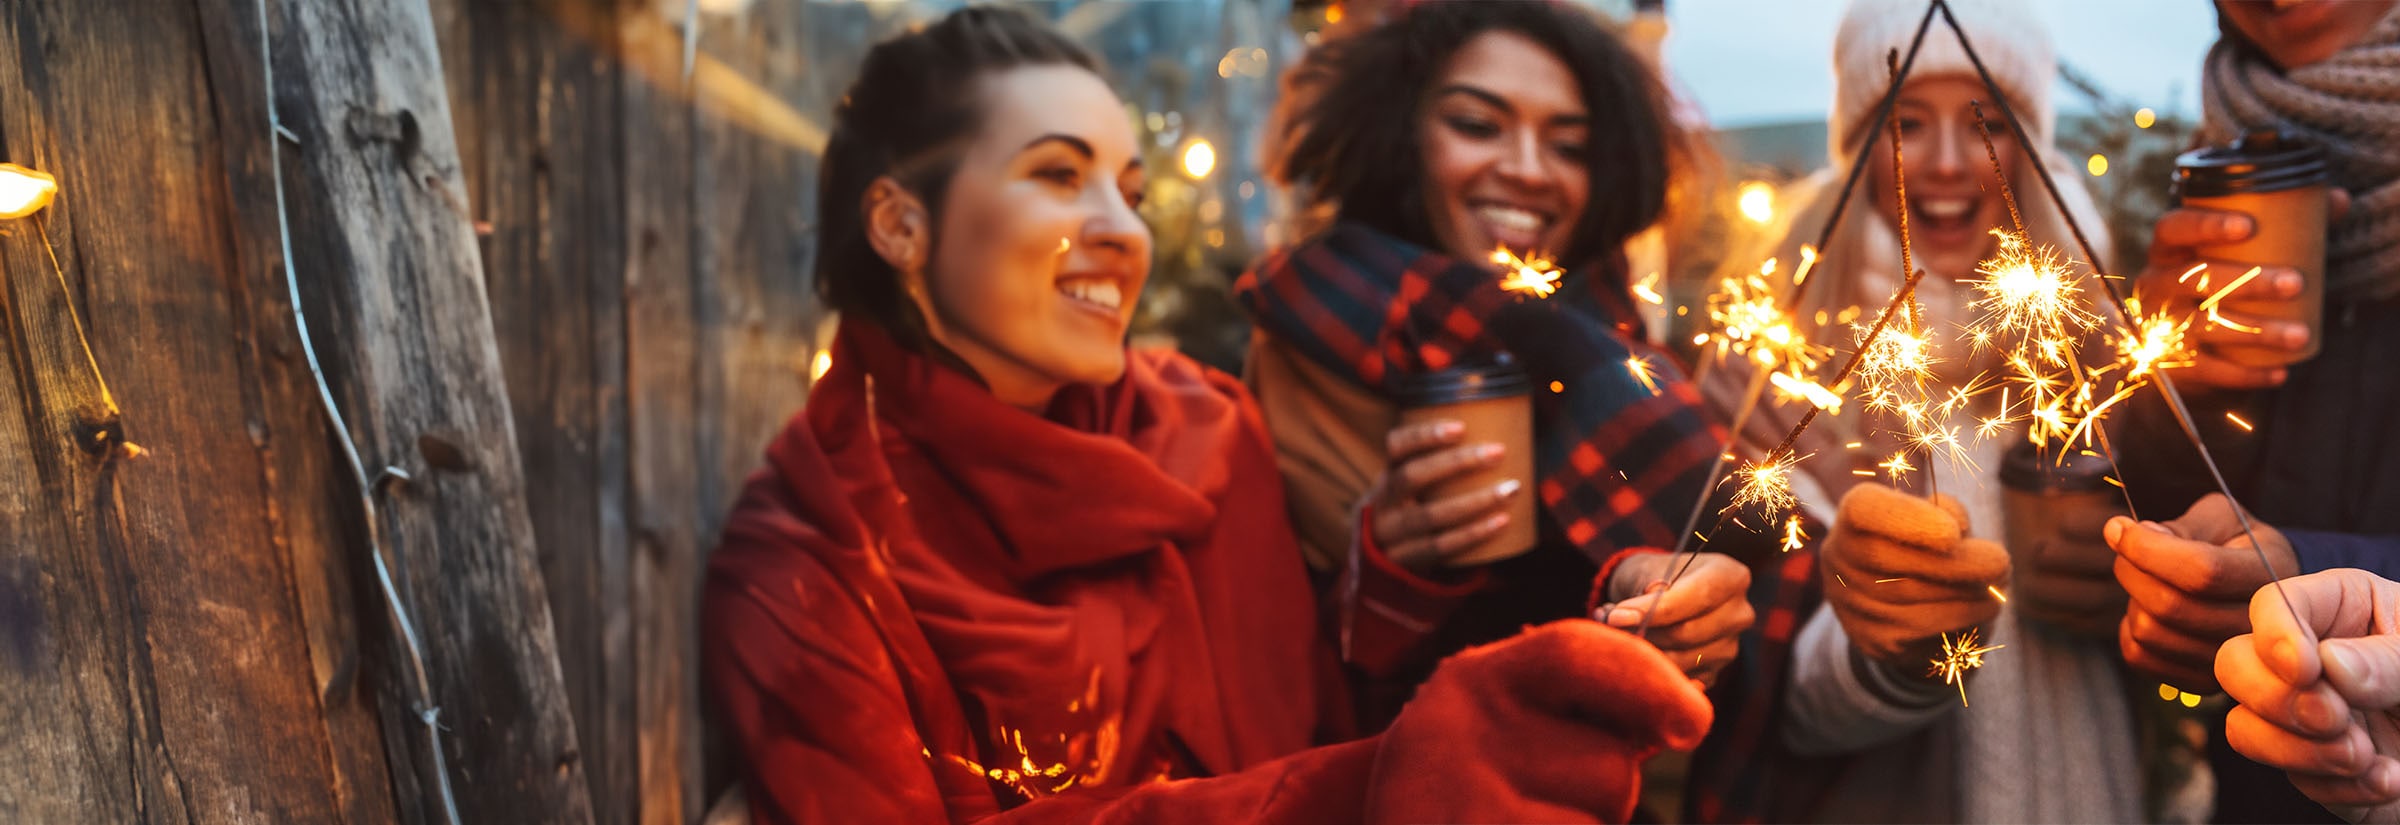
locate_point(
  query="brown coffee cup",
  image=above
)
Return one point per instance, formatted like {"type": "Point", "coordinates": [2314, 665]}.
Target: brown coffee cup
{"type": "Point", "coordinates": [1495, 403]}
{"type": "Point", "coordinates": [2279, 181]}
{"type": "Point", "coordinates": [2042, 494]}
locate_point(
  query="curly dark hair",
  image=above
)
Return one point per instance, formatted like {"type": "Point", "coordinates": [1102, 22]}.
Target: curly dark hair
{"type": "Point", "coordinates": [1349, 119]}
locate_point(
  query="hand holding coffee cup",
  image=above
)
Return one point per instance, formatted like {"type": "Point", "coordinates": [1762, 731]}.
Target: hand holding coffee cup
{"type": "Point", "coordinates": [1455, 492]}
{"type": "Point", "coordinates": [1421, 531]}
{"type": "Point", "coordinates": [2261, 201]}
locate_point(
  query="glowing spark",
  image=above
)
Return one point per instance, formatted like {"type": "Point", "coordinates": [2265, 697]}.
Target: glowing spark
{"type": "Point", "coordinates": [1793, 536]}
{"type": "Point", "coordinates": [1744, 319]}
{"type": "Point", "coordinates": [1898, 467]}
{"type": "Point", "coordinates": [819, 365]}
{"type": "Point", "coordinates": [1647, 290]}
{"type": "Point", "coordinates": [1767, 485]}
{"type": "Point", "coordinates": [2238, 422]}
{"type": "Point", "coordinates": [1757, 200]}
{"type": "Point", "coordinates": [2028, 292]}
{"type": "Point", "coordinates": [2003, 597]}
{"type": "Point", "coordinates": [1531, 275]}
{"type": "Point", "coordinates": [1804, 389]}
{"type": "Point", "coordinates": [1958, 657]}
{"type": "Point", "coordinates": [1640, 367]}
{"type": "Point", "coordinates": [1892, 579]}
{"type": "Point", "coordinates": [1808, 261]}
{"type": "Point", "coordinates": [1558, 386]}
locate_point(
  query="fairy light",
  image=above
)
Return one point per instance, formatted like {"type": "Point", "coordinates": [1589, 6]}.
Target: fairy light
{"type": "Point", "coordinates": [1960, 656]}
{"type": "Point", "coordinates": [1199, 159]}
{"type": "Point", "coordinates": [24, 191]}
{"type": "Point", "coordinates": [1530, 275]}
{"type": "Point", "coordinates": [2097, 165]}
{"type": "Point", "coordinates": [2144, 118]}
{"type": "Point", "coordinates": [1757, 201]}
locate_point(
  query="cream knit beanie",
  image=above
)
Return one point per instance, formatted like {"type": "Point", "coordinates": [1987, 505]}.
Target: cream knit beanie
{"type": "Point", "coordinates": [2013, 45]}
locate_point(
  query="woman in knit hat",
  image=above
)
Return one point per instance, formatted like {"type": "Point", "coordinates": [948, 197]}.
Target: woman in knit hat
{"type": "Point", "coordinates": [2051, 734]}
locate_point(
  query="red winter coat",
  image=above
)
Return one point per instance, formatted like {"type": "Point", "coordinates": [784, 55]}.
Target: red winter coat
{"type": "Point", "coordinates": [932, 607]}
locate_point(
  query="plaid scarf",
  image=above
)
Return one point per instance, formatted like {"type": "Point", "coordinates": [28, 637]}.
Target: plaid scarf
{"type": "Point", "coordinates": [1619, 461]}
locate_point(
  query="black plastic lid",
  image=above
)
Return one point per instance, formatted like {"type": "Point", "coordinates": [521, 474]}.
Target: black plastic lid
{"type": "Point", "coordinates": [1500, 378]}
{"type": "Point", "coordinates": [2261, 161]}
{"type": "Point", "coordinates": [2027, 468]}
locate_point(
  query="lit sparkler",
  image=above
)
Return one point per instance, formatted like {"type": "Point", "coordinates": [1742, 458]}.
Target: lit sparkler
{"type": "Point", "coordinates": [1766, 484]}
{"type": "Point", "coordinates": [1959, 656]}
{"type": "Point", "coordinates": [1533, 274]}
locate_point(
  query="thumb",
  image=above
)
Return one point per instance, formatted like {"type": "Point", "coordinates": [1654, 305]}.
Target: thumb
{"type": "Point", "coordinates": [2365, 670]}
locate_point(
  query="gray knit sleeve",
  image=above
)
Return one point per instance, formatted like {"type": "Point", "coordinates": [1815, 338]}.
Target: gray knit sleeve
{"type": "Point", "coordinates": [1840, 702]}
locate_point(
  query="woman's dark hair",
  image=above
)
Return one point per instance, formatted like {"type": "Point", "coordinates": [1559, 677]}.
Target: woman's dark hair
{"type": "Point", "coordinates": [1350, 112]}
{"type": "Point", "coordinates": [913, 109]}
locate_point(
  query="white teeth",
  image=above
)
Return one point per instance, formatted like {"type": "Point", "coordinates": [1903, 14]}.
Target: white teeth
{"type": "Point", "coordinates": [1515, 220]}
{"type": "Point", "coordinates": [1094, 291]}
{"type": "Point", "coordinates": [1946, 208]}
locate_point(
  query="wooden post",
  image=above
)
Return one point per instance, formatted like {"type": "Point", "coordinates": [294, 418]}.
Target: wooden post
{"type": "Point", "coordinates": [183, 635]}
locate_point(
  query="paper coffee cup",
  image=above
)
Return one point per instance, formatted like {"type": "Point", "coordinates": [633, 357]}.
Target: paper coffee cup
{"type": "Point", "coordinates": [2279, 181]}
{"type": "Point", "coordinates": [1495, 403]}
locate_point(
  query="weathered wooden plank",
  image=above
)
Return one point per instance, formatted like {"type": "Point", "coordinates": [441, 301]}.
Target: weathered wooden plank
{"type": "Point", "coordinates": [392, 276]}
{"type": "Point", "coordinates": [166, 669]}
{"type": "Point", "coordinates": [535, 106]}
{"type": "Point", "coordinates": [662, 364]}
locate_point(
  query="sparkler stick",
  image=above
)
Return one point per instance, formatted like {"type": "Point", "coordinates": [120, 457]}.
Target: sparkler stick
{"type": "Point", "coordinates": [2166, 384]}
{"type": "Point", "coordinates": [1833, 219]}
{"type": "Point", "coordinates": [1916, 308]}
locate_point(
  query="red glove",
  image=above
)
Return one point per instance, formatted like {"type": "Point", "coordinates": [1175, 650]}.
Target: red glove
{"type": "Point", "coordinates": [1549, 726]}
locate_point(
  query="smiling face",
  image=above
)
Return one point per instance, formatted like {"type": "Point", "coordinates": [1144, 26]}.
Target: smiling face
{"type": "Point", "coordinates": [1039, 254]}
{"type": "Point", "coordinates": [1503, 131]}
{"type": "Point", "coordinates": [2295, 33]}
{"type": "Point", "coordinates": [1953, 196]}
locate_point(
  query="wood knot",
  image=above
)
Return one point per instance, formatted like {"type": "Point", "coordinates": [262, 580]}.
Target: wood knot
{"type": "Point", "coordinates": [396, 128]}
{"type": "Point", "coordinates": [98, 436]}
{"type": "Point", "coordinates": [443, 454]}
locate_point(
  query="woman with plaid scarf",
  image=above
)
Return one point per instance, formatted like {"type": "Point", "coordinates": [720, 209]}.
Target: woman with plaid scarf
{"type": "Point", "coordinates": [1418, 145]}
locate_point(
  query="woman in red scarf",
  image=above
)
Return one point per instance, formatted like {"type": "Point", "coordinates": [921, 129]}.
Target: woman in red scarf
{"type": "Point", "coordinates": [1002, 568]}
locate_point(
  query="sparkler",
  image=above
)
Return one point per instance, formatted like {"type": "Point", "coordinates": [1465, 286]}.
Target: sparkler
{"type": "Point", "coordinates": [1793, 537]}
{"type": "Point", "coordinates": [1959, 656]}
{"type": "Point", "coordinates": [1533, 274]}
{"type": "Point", "coordinates": [2166, 384]}
{"type": "Point", "coordinates": [1643, 373]}
{"type": "Point", "coordinates": [1766, 483]}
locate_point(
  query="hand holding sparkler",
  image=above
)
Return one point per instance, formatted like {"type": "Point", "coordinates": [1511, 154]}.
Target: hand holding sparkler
{"type": "Point", "coordinates": [2191, 582]}
{"type": "Point", "coordinates": [1699, 625]}
{"type": "Point", "coordinates": [2324, 711]}
{"type": "Point", "coordinates": [1901, 576]}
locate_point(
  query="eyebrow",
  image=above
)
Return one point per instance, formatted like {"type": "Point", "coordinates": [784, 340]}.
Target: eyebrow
{"type": "Point", "coordinates": [1498, 102]}
{"type": "Point", "coordinates": [1081, 146]}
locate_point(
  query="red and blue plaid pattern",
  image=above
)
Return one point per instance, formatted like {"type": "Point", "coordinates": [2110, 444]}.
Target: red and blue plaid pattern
{"type": "Point", "coordinates": [1619, 463]}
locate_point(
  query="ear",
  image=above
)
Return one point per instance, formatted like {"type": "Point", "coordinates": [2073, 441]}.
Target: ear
{"type": "Point", "coordinates": [898, 227]}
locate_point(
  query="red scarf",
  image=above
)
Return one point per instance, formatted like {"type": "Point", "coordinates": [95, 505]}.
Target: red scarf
{"type": "Point", "coordinates": [1065, 576]}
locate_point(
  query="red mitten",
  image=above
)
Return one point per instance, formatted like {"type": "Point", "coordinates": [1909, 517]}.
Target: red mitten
{"type": "Point", "coordinates": [1549, 726]}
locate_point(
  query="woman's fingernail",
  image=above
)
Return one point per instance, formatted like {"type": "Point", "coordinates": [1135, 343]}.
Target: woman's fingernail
{"type": "Point", "coordinates": [1488, 452]}
{"type": "Point", "coordinates": [2241, 226]}
{"type": "Point", "coordinates": [2294, 335]}
{"type": "Point", "coordinates": [1451, 428]}
{"type": "Point", "coordinates": [1507, 488]}
{"type": "Point", "coordinates": [2288, 284]}
{"type": "Point", "coordinates": [1497, 521]}
{"type": "Point", "coordinates": [2114, 529]}
{"type": "Point", "coordinates": [1624, 617]}
{"type": "Point", "coordinates": [2277, 377]}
